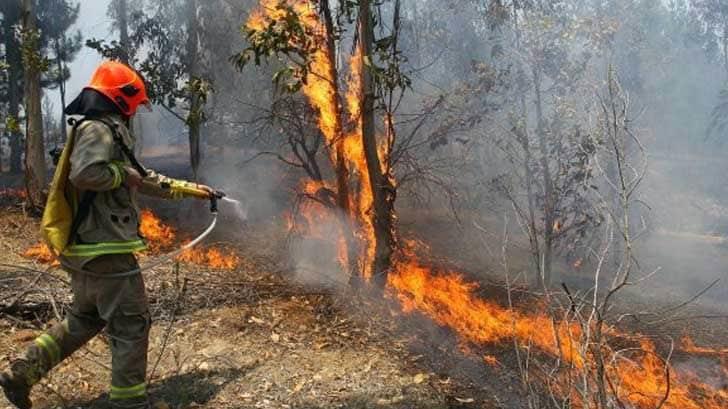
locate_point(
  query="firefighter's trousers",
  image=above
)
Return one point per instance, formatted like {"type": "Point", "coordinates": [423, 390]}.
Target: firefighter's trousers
{"type": "Point", "coordinates": [117, 304]}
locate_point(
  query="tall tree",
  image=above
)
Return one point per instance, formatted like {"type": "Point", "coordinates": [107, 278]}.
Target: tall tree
{"type": "Point", "coordinates": [195, 117]}
{"type": "Point", "coordinates": [381, 185]}
{"type": "Point", "coordinates": [57, 16]}
{"type": "Point", "coordinates": [14, 59]}
{"type": "Point", "coordinates": [172, 64]}
{"type": "Point", "coordinates": [53, 20]}
{"type": "Point", "coordinates": [306, 36]}
{"type": "Point", "coordinates": [122, 15]}
{"type": "Point", "coordinates": [33, 64]}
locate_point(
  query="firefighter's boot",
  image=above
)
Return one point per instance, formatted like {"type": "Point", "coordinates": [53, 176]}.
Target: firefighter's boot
{"type": "Point", "coordinates": [16, 390]}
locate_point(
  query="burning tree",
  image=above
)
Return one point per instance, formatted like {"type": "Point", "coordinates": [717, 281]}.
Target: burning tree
{"type": "Point", "coordinates": [308, 37]}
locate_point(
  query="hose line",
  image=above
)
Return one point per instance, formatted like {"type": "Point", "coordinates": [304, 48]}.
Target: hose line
{"type": "Point", "coordinates": [154, 262]}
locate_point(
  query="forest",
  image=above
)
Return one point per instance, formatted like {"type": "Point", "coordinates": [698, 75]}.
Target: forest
{"type": "Point", "coordinates": [428, 203]}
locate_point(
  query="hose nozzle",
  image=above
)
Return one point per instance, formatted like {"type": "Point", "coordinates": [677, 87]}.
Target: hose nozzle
{"type": "Point", "coordinates": [216, 195]}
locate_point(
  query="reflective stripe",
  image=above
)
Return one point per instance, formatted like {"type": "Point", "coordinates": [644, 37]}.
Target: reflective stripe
{"type": "Point", "coordinates": [128, 392]}
{"type": "Point", "coordinates": [118, 174]}
{"type": "Point", "coordinates": [98, 249]}
{"type": "Point", "coordinates": [50, 345]}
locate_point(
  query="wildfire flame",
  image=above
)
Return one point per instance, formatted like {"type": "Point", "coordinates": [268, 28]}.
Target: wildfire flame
{"type": "Point", "coordinates": [444, 296]}
{"type": "Point", "coordinates": [321, 87]}
{"type": "Point", "coordinates": [159, 236]}
{"type": "Point", "coordinates": [41, 253]}
{"type": "Point", "coordinates": [162, 237]}
{"type": "Point", "coordinates": [212, 257]}
{"type": "Point", "coordinates": [451, 301]}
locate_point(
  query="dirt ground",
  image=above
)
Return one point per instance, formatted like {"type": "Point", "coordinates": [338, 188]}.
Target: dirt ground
{"type": "Point", "coordinates": [246, 339]}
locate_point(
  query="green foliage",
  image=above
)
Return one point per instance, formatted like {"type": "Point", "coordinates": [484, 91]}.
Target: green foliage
{"type": "Point", "coordinates": [31, 51]}
{"type": "Point", "coordinates": [165, 65]}
{"type": "Point", "coordinates": [389, 73]}
{"type": "Point", "coordinates": [199, 89]}
{"type": "Point", "coordinates": [12, 124]}
{"type": "Point", "coordinates": [288, 40]}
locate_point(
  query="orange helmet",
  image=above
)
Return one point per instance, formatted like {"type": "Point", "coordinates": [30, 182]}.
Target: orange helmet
{"type": "Point", "coordinates": [121, 84]}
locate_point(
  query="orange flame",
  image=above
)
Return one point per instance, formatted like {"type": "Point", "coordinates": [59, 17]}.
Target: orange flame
{"type": "Point", "coordinates": [162, 237]}
{"type": "Point", "coordinates": [159, 236]}
{"type": "Point", "coordinates": [41, 253]}
{"type": "Point", "coordinates": [451, 301]}
{"type": "Point", "coordinates": [321, 88]}
{"type": "Point", "coordinates": [211, 257]}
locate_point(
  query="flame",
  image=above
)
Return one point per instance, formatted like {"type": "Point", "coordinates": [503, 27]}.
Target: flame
{"type": "Point", "coordinates": [490, 360]}
{"type": "Point", "coordinates": [212, 257]}
{"type": "Point", "coordinates": [159, 236]}
{"type": "Point", "coordinates": [41, 253]}
{"type": "Point", "coordinates": [162, 237]}
{"type": "Point", "coordinates": [322, 91]}
{"type": "Point", "coordinates": [688, 345]}
{"type": "Point", "coordinates": [446, 297]}
{"type": "Point", "coordinates": [451, 301]}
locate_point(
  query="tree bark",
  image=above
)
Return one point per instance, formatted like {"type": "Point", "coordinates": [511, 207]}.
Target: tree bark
{"type": "Point", "coordinates": [123, 31]}
{"type": "Point", "coordinates": [341, 169]}
{"type": "Point", "coordinates": [383, 190]}
{"type": "Point", "coordinates": [343, 191]}
{"type": "Point", "coordinates": [35, 163]}
{"type": "Point", "coordinates": [61, 88]}
{"type": "Point", "coordinates": [194, 119]}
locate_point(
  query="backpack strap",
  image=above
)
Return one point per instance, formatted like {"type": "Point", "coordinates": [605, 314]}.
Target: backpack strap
{"type": "Point", "coordinates": [87, 199]}
{"type": "Point", "coordinates": [124, 149]}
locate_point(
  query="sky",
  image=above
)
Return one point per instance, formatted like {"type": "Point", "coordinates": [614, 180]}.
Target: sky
{"type": "Point", "coordinates": [93, 22]}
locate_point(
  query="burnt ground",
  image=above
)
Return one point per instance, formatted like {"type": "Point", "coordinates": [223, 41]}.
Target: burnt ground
{"type": "Point", "coordinates": [249, 338]}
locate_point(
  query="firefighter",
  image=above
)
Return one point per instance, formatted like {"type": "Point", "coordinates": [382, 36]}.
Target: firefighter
{"type": "Point", "coordinates": [108, 289]}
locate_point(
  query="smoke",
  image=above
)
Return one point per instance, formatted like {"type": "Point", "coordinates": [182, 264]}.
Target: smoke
{"type": "Point", "coordinates": [460, 110]}
{"type": "Point", "coordinates": [314, 259]}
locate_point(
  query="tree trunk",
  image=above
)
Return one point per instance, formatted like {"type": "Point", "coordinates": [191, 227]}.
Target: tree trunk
{"type": "Point", "coordinates": [341, 169]}
{"type": "Point", "coordinates": [15, 93]}
{"type": "Point", "coordinates": [35, 164]}
{"type": "Point", "coordinates": [549, 217]}
{"type": "Point", "coordinates": [123, 31]}
{"type": "Point", "coordinates": [383, 190]}
{"type": "Point", "coordinates": [61, 88]}
{"type": "Point", "coordinates": [343, 191]}
{"type": "Point", "coordinates": [194, 119]}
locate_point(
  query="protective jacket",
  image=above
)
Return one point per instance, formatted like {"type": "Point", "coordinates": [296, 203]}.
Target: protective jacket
{"type": "Point", "coordinates": [98, 164]}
